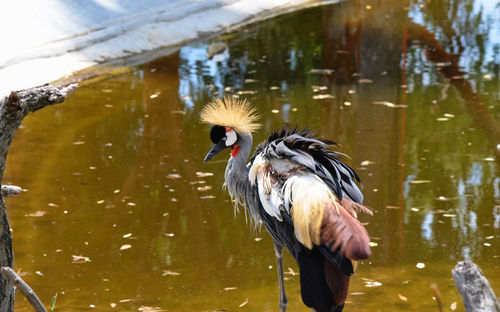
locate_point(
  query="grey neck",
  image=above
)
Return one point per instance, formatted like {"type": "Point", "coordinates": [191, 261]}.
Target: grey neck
{"type": "Point", "coordinates": [237, 182]}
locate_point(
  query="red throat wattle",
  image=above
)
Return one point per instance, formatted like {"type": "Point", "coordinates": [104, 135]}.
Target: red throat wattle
{"type": "Point", "coordinates": [235, 150]}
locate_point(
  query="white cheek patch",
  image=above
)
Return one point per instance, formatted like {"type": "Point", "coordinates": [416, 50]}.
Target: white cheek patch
{"type": "Point", "coordinates": [231, 137]}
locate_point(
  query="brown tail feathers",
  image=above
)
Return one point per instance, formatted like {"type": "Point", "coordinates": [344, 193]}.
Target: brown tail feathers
{"type": "Point", "coordinates": [340, 228]}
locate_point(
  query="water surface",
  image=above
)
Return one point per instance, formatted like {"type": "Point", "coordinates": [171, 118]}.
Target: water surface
{"type": "Point", "coordinates": [120, 213]}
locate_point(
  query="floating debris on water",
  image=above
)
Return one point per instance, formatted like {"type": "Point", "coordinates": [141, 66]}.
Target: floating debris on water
{"type": "Point", "coordinates": [80, 259]}
{"type": "Point", "coordinates": [170, 273]}
{"type": "Point", "coordinates": [364, 80]}
{"type": "Point", "coordinates": [38, 213]}
{"type": "Point", "coordinates": [321, 71]}
{"type": "Point", "coordinates": [204, 188]}
{"type": "Point", "coordinates": [371, 283]}
{"type": "Point", "coordinates": [125, 247]}
{"type": "Point", "coordinates": [366, 163]}
{"type": "Point", "coordinates": [389, 104]}
{"type": "Point", "coordinates": [244, 303]}
{"type": "Point", "coordinates": [323, 96]}
{"type": "Point", "coordinates": [420, 181]}
{"type": "Point", "coordinates": [420, 265]}
{"type": "Point", "coordinates": [200, 174]}
{"type": "Point", "coordinates": [319, 88]}
{"type": "Point", "coordinates": [230, 288]}
{"type": "Point", "coordinates": [207, 197]}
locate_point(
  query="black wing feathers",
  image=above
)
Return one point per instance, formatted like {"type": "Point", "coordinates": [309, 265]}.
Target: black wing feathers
{"type": "Point", "coordinates": [303, 147]}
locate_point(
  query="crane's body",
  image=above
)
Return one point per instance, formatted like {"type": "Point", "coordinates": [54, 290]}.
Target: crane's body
{"type": "Point", "coordinates": [302, 192]}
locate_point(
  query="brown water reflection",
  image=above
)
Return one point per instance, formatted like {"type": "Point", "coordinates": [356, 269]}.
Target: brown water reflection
{"type": "Point", "coordinates": [115, 174]}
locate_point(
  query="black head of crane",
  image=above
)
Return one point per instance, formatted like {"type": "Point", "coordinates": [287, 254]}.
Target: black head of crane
{"type": "Point", "coordinates": [306, 197]}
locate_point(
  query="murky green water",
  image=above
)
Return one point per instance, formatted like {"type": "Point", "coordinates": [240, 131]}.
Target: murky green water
{"type": "Point", "coordinates": [120, 212]}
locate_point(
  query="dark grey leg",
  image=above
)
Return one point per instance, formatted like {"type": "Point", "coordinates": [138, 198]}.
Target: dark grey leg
{"type": "Point", "coordinates": [278, 249]}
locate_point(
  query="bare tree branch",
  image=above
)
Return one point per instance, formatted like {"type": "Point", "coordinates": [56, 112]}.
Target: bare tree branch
{"type": "Point", "coordinates": [474, 288]}
{"type": "Point", "coordinates": [24, 288]}
{"type": "Point", "coordinates": [13, 109]}
{"type": "Point", "coordinates": [10, 190]}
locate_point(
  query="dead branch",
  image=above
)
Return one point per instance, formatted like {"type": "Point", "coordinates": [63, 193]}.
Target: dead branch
{"type": "Point", "coordinates": [474, 288]}
{"type": "Point", "coordinates": [10, 190]}
{"type": "Point", "coordinates": [13, 109]}
{"type": "Point", "coordinates": [24, 288]}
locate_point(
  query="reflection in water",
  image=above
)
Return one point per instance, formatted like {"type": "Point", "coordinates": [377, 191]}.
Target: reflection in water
{"type": "Point", "coordinates": [410, 91]}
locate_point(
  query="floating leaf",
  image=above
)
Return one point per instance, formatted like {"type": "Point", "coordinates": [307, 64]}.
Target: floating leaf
{"type": "Point", "coordinates": [204, 188]}
{"type": "Point", "coordinates": [420, 181]}
{"type": "Point", "coordinates": [323, 96]}
{"type": "Point", "coordinates": [207, 197]}
{"type": "Point", "coordinates": [453, 306]}
{"type": "Point", "coordinates": [443, 198]}
{"type": "Point", "coordinates": [372, 283]}
{"type": "Point", "coordinates": [126, 246]}
{"type": "Point", "coordinates": [388, 104]}
{"type": "Point", "coordinates": [321, 71]}
{"type": "Point", "coordinates": [155, 95]}
{"type": "Point", "coordinates": [80, 259]}
{"type": "Point", "coordinates": [170, 273]}
{"type": "Point", "coordinates": [127, 300]}
{"type": "Point", "coordinates": [392, 207]}
{"type": "Point", "coordinates": [200, 174]}
{"type": "Point", "coordinates": [38, 213]}
{"type": "Point", "coordinates": [319, 88]}
{"type": "Point", "coordinates": [244, 303]}
{"type": "Point", "coordinates": [230, 288]}
{"type": "Point", "coordinates": [291, 272]}
{"type": "Point", "coordinates": [149, 309]}
{"type": "Point", "coordinates": [246, 92]}
{"type": "Point", "coordinates": [364, 80]}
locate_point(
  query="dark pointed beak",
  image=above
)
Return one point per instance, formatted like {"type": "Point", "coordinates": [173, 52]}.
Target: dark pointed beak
{"type": "Point", "coordinates": [216, 149]}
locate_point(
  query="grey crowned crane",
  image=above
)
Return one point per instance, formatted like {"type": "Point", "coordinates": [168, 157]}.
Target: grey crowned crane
{"type": "Point", "coordinates": [306, 197]}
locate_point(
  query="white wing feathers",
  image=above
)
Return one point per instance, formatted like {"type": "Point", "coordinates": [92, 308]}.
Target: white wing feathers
{"type": "Point", "coordinates": [283, 184]}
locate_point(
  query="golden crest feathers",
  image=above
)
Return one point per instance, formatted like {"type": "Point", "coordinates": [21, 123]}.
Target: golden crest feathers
{"type": "Point", "coordinates": [235, 113]}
